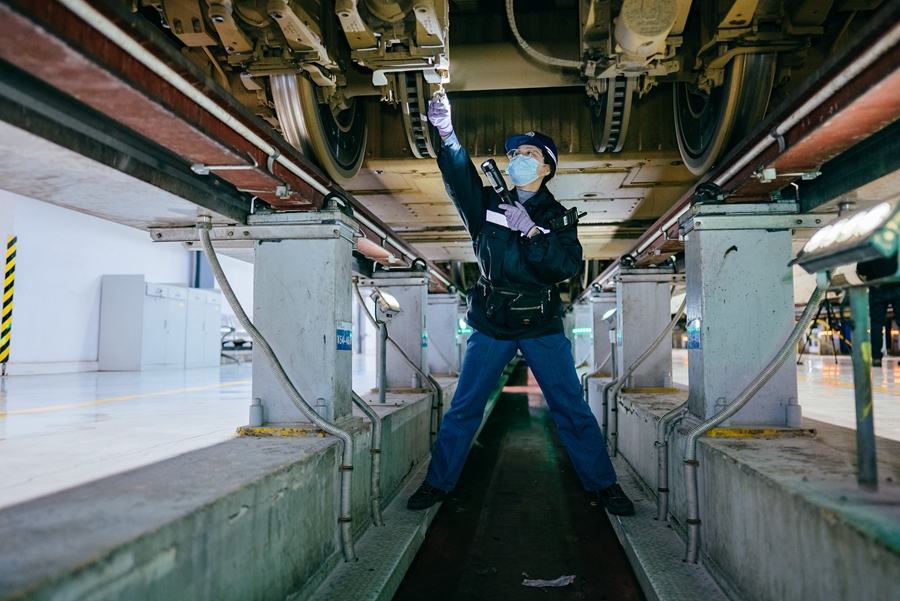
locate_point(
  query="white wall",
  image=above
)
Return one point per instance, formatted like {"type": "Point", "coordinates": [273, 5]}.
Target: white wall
{"type": "Point", "coordinates": [60, 258]}
{"type": "Point", "coordinates": [240, 276]}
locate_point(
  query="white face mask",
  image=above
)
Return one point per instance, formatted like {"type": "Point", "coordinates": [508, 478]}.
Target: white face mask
{"type": "Point", "coordinates": [522, 170]}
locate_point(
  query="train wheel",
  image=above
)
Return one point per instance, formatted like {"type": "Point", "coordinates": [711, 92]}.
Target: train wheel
{"type": "Point", "coordinates": [708, 124]}
{"type": "Point", "coordinates": [414, 103]}
{"type": "Point", "coordinates": [335, 138]}
{"type": "Point", "coordinates": [611, 113]}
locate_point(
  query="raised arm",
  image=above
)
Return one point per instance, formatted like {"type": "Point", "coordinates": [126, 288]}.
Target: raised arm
{"type": "Point", "coordinates": [461, 179]}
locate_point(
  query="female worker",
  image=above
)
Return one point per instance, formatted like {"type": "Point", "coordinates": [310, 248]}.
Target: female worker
{"type": "Point", "coordinates": [523, 250]}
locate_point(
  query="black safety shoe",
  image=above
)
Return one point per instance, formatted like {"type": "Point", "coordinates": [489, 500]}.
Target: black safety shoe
{"type": "Point", "coordinates": [425, 497]}
{"type": "Point", "coordinates": [876, 362]}
{"type": "Point", "coordinates": [615, 501]}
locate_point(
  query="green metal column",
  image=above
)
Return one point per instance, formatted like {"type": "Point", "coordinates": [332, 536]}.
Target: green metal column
{"type": "Point", "coordinates": [867, 474]}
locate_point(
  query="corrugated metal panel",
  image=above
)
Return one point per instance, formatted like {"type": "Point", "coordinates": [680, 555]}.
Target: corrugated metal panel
{"type": "Point", "coordinates": [640, 182]}
{"type": "Point", "coordinates": [483, 121]}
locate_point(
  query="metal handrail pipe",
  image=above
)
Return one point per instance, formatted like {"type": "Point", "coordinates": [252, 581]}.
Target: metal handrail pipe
{"type": "Point", "coordinates": [375, 451]}
{"type": "Point", "coordinates": [662, 457]}
{"type": "Point", "coordinates": [431, 382]}
{"type": "Point", "coordinates": [587, 376]}
{"type": "Point", "coordinates": [585, 360]}
{"type": "Point", "coordinates": [690, 453]}
{"type": "Point", "coordinates": [620, 382]}
{"type": "Point", "coordinates": [584, 390]}
{"type": "Point", "coordinates": [450, 369]}
{"type": "Point", "coordinates": [382, 361]}
{"type": "Point", "coordinates": [604, 404]}
{"type": "Point", "coordinates": [281, 376]}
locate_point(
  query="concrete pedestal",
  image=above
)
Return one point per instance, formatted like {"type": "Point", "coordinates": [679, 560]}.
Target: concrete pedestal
{"type": "Point", "coordinates": [601, 303]}
{"type": "Point", "coordinates": [740, 310]}
{"type": "Point", "coordinates": [301, 305]}
{"type": "Point", "coordinates": [463, 332]}
{"type": "Point", "coordinates": [568, 326]}
{"type": "Point", "coordinates": [442, 324]}
{"type": "Point", "coordinates": [582, 334]}
{"type": "Point", "coordinates": [408, 328]}
{"type": "Point", "coordinates": [642, 312]}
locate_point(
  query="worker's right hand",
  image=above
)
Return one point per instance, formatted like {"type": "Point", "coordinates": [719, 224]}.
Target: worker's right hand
{"type": "Point", "coordinates": [439, 115]}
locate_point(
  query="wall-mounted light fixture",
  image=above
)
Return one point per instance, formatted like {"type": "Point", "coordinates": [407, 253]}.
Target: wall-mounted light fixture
{"type": "Point", "coordinates": [386, 307]}
{"type": "Point", "coordinates": [610, 316]}
{"type": "Point", "coordinates": [386, 304]}
{"type": "Point", "coordinates": [863, 235]}
{"type": "Point", "coordinates": [859, 236]}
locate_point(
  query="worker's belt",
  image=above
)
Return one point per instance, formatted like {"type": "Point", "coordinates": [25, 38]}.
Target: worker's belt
{"type": "Point", "coordinates": [516, 307]}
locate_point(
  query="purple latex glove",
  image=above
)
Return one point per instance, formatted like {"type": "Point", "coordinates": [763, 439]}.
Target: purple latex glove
{"type": "Point", "coordinates": [439, 115]}
{"type": "Point", "coordinates": [517, 217]}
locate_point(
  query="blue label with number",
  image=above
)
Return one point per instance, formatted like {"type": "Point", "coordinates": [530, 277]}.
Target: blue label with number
{"type": "Point", "coordinates": [344, 336]}
{"type": "Point", "coordinates": [693, 334]}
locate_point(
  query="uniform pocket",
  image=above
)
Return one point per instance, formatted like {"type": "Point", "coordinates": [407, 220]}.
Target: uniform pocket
{"type": "Point", "coordinates": [516, 309]}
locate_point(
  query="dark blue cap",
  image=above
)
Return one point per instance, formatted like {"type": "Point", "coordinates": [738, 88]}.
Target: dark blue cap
{"type": "Point", "coordinates": [535, 139]}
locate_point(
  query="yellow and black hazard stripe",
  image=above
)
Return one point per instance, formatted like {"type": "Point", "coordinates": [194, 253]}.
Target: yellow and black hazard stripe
{"type": "Point", "coordinates": [8, 287]}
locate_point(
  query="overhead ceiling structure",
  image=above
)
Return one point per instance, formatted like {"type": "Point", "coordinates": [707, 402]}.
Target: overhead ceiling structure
{"type": "Point", "coordinates": [123, 112]}
{"type": "Point", "coordinates": [851, 103]}
{"type": "Point", "coordinates": [621, 193]}
{"type": "Point", "coordinates": [142, 117]}
{"type": "Point", "coordinates": [504, 92]}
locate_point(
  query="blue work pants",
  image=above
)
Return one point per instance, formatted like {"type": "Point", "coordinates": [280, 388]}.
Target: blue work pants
{"type": "Point", "coordinates": [550, 359]}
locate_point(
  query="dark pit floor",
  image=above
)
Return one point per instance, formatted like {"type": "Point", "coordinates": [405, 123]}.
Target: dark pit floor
{"type": "Point", "coordinates": [519, 511]}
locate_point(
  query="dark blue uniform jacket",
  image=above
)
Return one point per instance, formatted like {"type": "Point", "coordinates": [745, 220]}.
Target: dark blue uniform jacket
{"type": "Point", "coordinates": [505, 257]}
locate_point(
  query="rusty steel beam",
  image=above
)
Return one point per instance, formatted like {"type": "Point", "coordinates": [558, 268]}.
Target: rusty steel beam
{"type": "Point", "coordinates": [46, 40]}
{"type": "Point", "coordinates": [91, 68]}
{"type": "Point", "coordinates": [863, 107]}
{"type": "Point", "coordinates": [32, 106]}
{"type": "Point", "coordinates": [850, 97]}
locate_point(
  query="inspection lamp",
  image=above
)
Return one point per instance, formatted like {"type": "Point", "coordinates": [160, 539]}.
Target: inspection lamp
{"type": "Point", "coordinates": [610, 316]}
{"type": "Point", "coordinates": [859, 236]}
{"type": "Point", "coordinates": [863, 235]}
{"type": "Point", "coordinates": [386, 303]}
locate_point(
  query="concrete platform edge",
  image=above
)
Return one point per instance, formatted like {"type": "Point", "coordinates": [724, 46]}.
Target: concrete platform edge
{"type": "Point", "coordinates": [760, 496]}
{"type": "Point", "coordinates": [655, 551]}
{"type": "Point", "coordinates": [198, 512]}
{"type": "Point", "coordinates": [385, 554]}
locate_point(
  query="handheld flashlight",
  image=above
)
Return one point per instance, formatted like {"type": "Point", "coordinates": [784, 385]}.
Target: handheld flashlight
{"type": "Point", "coordinates": [496, 178]}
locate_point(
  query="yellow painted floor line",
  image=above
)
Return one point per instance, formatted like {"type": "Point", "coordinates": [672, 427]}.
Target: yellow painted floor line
{"type": "Point", "coordinates": [120, 399]}
{"type": "Point", "coordinates": [849, 385]}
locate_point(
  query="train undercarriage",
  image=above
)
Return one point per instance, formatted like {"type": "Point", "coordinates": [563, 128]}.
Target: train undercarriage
{"type": "Point", "coordinates": [310, 66]}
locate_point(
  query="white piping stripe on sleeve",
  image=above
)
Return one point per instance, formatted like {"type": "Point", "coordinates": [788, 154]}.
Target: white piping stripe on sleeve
{"type": "Point", "coordinates": [497, 218]}
{"type": "Point", "coordinates": [500, 219]}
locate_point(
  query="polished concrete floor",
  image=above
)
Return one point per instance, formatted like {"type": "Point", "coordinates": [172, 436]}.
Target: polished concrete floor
{"type": "Point", "coordinates": [58, 431]}
{"type": "Point", "coordinates": [62, 430]}
{"type": "Point", "coordinates": [825, 390]}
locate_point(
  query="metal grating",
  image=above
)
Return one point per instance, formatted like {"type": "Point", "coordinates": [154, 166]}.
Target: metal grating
{"type": "Point", "coordinates": [656, 551]}
{"type": "Point", "coordinates": [384, 553]}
